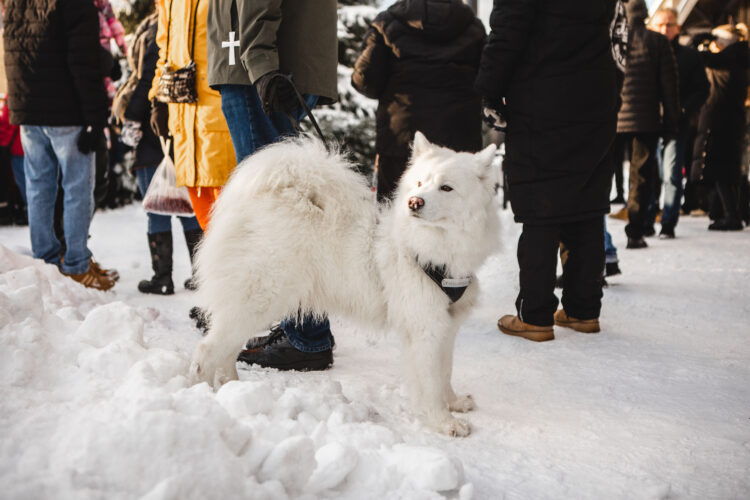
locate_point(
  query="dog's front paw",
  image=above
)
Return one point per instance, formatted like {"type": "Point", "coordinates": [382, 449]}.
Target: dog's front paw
{"type": "Point", "coordinates": [462, 404]}
{"type": "Point", "coordinates": [455, 427]}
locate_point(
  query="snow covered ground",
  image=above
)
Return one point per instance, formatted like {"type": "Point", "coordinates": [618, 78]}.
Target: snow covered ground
{"type": "Point", "coordinates": [94, 401]}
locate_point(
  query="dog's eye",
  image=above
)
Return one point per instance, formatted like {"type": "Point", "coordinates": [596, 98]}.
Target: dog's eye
{"type": "Point", "coordinates": [419, 184]}
{"type": "Point", "coordinates": [446, 188]}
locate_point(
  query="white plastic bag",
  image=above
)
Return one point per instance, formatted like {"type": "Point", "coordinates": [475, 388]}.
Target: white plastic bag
{"type": "Point", "coordinates": [163, 196]}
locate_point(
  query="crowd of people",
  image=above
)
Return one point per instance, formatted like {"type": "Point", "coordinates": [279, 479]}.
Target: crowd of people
{"type": "Point", "coordinates": [578, 89]}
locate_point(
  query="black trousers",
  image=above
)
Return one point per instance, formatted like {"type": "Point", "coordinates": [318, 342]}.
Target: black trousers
{"type": "Point", "coordinates": [621, 153]}
{"type": "Point", "coordinates": [644, 175]}
{"type": "Point", "coordinates": [582, 270]}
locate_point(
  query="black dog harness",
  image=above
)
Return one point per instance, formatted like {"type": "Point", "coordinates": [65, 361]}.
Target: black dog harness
{"type": "Point", "coordinates": [454, 288]}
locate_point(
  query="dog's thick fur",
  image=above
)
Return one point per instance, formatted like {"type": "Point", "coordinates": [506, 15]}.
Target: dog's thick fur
{"type": "Point", "coordinates": [296, 229]}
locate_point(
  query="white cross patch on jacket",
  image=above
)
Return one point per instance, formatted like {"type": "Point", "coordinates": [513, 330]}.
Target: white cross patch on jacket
{"type": "Point", "coordinates": [231, 44]}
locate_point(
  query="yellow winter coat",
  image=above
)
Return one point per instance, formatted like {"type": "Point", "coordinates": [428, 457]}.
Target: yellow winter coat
{"type": "Point", "coordinates": [203, 151]}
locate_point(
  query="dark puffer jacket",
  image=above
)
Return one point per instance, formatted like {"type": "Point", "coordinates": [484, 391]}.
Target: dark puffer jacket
{"type": "Point", "coordinates": [420, 58]}
{"type": "Point", "coordinates": [694, 86]}
{"type": "Point", "coordinates": [650, 79]}
{"type": "Point", "coordinates": [53, 63]}
{"type": "Point", "coordinates": [721, 124]}
{"type": "Point", "coordinates": [144, 58]}
{"type": "Point", "coordinates": [552, 62]}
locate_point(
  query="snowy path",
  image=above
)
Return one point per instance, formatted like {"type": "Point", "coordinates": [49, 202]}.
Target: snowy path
{"type": "Point", "coordinates": [95, 405]}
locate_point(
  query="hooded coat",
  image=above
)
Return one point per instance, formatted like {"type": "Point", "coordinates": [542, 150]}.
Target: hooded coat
{"type": "Point", "coordinates": [721, 123]}
{"type": "Point", "coordinates": [419, 59]}
{"type": "Point", "coordinates": [203, 151]}
{"type": "Point", "coordinates": [650, 89]}
{"type": "Point", "coordinates": [551, 60]}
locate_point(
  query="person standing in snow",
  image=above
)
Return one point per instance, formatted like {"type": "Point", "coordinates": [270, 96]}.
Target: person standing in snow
{"type": "Point", "coordinates": [721, 126]}
{"type": "Point", "coordinates": [137, 133]}
{"type": "Point", "coordinates": [548, 73]}
{"type": "Point", "coordinates": [650, 86]}
{"type": "Point", "coordinates": [693, 90]}
{"type": "Point", "coordinates": [203, 154]}
{"type": "Point", "coordinates": [254, 47]}
{"type": "Point", "coordinates": [419, 59]}
{"type": "Point", "coordinates": [56, 93]}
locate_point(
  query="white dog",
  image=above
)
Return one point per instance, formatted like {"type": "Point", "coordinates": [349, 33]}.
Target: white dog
{"type": "Point", "coordinates": [296, 229]}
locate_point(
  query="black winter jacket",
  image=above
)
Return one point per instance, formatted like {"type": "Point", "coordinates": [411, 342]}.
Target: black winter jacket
{"type": "Point", "coordinates": [721, 124]}
{"type": "Point", "coordinates": [650, 79]}
{"type": "Point", "coordinates": [53, 63]}
{"type": "Point", "coordinates": [694, 85]}
{"type": "Point", "coordinates": [148, 152]}
{"type": "Point", "coordinates": [552, 62]}
{"type": "Point", "coordinates": [419, 59]}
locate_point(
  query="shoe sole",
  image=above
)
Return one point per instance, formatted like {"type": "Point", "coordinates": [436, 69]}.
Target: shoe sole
{"type": "Point", "coordinates": [290, 367]}
{"type": "Point", "coordinates": [580, 327]}
{"type": "Point", "coordinates": [528, 335]}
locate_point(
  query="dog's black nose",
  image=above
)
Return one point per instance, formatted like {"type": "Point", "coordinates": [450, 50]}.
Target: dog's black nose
{"type": "Point", "coordinates": [415, 203]}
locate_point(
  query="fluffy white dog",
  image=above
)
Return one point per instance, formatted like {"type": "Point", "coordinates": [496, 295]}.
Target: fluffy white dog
{"type": "Point", "coordinates": [296, 229]}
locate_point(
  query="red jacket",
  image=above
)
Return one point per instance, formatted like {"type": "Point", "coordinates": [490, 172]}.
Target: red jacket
{"type": "Point", "coordinates": [10, 134]}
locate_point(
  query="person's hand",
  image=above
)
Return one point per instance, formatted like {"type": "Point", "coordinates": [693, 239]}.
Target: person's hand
{"type": "Point", "coordinates": [160, 118]}
{"type": "Point", "coordinates": [493, 115]}
{"type": "Point", "coordinates": [89, 138]}
{"type": "Point", "coordinates": [276, 92]}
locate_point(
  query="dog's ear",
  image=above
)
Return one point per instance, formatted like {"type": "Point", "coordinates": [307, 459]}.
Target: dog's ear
{"type": "Point", "coordinates": [420, 145]}
{"type": "Point", "coordinates": [484, 160]}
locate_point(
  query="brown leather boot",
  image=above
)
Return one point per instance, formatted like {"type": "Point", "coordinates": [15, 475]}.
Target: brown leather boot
{"type": "Point", "coordinates": [93, 278]}
{"type": "Point", "coordinates": [511, 325]}
{"type": "Point", "coordinates": [579, 325]}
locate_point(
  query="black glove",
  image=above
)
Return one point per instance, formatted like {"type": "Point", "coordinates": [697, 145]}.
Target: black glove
{"type": "Point", "coordinates": [494, 114]}
{"type": "Point", "coordinates": [90, 137]}
{"type": "Point", "coordinates": [160, 118]}
{"type": "Point", "coordinates": [276, 92]}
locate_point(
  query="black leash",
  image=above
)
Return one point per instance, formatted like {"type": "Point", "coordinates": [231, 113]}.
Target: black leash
{"type": "Point", "coordinates": [305, 107]}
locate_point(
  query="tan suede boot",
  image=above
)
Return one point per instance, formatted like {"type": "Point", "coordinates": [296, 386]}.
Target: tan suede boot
{"type": "Point", "coordinates": [511, 325]}
{"type": "Point", "coordinates": [579, 325]}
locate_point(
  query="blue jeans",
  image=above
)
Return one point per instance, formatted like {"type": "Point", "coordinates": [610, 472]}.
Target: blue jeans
{"type": "Point", "coordinates": [51, 151]}
{"type": "Point", "coordinates": [160, 223]}
{"type": "Point", "coordinates": [671, 156]}
{"type": "Point", "coordinates": [16, 164]}
{"type": "Point", "coordinates": [672, 162]}
{"type": "Point", "coordinates": [610, 250]}
{"type": "Point", "coordinates": [251, 128]}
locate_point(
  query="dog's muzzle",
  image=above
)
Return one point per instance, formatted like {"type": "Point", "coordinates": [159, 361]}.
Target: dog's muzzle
{"type": "Point", "coordinates": [415, 203]}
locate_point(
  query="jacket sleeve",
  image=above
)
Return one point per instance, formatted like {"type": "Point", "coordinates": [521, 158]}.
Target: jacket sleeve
{"type": "Point", "coordinates": [161, 41]}
{"type": "Point", "coordinates": [698, 87]}
{"type": "Point", "coordinates": [81, 22]}
{"type": "Point", "coordinates": [510, 25]}
{"type": "Point", "coordinates": [259, 22]}
{"type": "Point", "coordinates": [669, 87]}
{"type": "Point", "coordinates": [371, 69]}
{"type": "Point", "coordinates": [139, 107]}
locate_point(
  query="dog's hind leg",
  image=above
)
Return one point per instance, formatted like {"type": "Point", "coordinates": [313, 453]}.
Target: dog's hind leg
{"type": "Point", "coordinates": [426, 356]}
{"type": "Point", "coordinates": [215, 357]}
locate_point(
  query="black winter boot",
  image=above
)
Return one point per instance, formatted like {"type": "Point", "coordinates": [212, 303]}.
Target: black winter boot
{"type": "Point", "coordinates": [160, 245]}
{"type": "Point", "coordinates": [192, 238]}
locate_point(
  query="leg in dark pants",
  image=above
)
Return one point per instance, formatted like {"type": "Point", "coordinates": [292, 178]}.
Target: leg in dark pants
{"type": "Point", "coordinates": [390, 169]}
{"type": "Point", "coordinates": [621, 153]}
{"type": "Point", "coordinates": [582, 270]}
{"type": "Point", "coordinates": [537, 258]}
{"type": "Point", "coordinates": [643, 171]}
